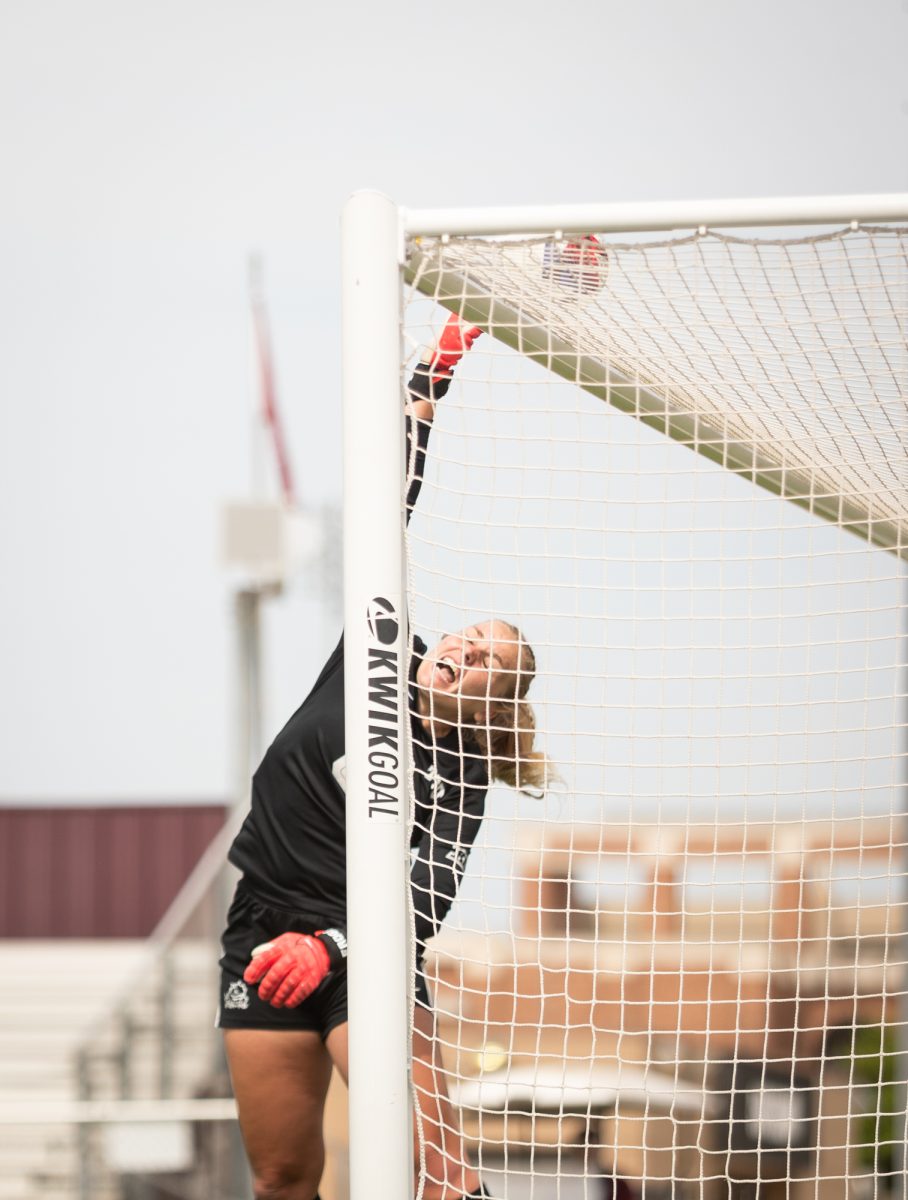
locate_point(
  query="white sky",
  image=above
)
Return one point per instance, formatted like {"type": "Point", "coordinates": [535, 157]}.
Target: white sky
{"type": "Point", "coordinates": [147, 149]}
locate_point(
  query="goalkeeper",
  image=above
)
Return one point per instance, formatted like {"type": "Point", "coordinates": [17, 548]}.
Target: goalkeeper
{"type": "Point", "coordinates": [283, 1003]}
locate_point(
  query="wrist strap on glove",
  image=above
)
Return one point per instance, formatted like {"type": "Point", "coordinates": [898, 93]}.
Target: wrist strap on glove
{"type": "Point", "coordinates": [335, 942]}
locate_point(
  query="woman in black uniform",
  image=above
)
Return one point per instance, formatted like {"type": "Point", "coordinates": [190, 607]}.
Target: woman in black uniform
{"type": "Point", "coordinates": [283, 984]}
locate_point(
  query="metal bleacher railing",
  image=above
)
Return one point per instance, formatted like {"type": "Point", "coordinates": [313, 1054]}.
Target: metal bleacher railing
{"type": "Point", "coordinates": [147, 1110]}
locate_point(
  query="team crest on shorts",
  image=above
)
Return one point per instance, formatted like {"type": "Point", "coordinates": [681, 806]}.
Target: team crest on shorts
{"type": "Point", "coordinates": [237, 995]}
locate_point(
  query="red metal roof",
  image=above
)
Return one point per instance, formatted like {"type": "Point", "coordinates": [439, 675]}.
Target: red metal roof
{"type": "Point", "coordinates": [97, 871]}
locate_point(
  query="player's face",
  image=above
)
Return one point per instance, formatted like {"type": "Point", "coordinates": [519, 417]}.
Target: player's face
{"type": "Point", "coordinates": [466, 671]}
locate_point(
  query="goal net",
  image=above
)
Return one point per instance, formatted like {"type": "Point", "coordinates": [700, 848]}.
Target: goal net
{"type": "Point", "coordinates": [677, 463]}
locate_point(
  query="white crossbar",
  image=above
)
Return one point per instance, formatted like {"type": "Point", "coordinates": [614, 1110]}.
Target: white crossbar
{"type": "Point", "coordinates": [654, 215]}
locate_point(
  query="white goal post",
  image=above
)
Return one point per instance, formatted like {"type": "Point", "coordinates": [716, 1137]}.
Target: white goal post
{"type": "Point", "coordinates": [779, 355]}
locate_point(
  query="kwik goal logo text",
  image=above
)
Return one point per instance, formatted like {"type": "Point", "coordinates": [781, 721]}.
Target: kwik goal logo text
{"type": "Point", "coordinates": [384, 702]}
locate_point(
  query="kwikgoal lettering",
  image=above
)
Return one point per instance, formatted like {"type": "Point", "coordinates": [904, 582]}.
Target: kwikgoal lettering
{"type": "Point", "coordinates": [385, 789]}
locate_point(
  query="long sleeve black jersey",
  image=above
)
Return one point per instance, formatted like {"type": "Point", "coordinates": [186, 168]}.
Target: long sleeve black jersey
{"type": "Point", "coordinates": [291, 848]}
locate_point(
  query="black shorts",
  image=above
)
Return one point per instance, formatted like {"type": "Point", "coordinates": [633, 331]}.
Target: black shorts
{"type": "Point", "coordinates": [249, 924]}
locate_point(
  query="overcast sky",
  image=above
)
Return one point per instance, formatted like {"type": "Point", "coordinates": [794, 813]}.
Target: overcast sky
{"type": "Point", "coordinates": [148, 149]}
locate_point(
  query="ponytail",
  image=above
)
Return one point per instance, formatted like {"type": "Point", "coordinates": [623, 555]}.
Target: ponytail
{"type": "Point", "coordinates": [507, 739]}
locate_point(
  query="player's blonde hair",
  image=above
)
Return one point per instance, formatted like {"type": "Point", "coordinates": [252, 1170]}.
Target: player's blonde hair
{"type": "Point", "coordinates": [508, 735]}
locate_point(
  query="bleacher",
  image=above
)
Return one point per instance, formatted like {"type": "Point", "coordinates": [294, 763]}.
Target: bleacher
{"type": "Point", "coordinates": [55, 993]}
{"type": "Point", "coordinates": [66, 1037]}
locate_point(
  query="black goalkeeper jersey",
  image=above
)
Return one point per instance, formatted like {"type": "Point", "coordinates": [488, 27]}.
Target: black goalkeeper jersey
{"type": "Point", "coordinates": [292, 846]}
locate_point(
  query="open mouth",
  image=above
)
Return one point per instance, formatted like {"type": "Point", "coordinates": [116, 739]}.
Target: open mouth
{"type": "Point", "coordinates": [447, 669]}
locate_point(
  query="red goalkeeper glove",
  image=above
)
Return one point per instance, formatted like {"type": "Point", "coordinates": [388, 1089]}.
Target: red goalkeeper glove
{"type": "Point", "coordinates": [456, 338]}
{"type": "Point", "coordinates": [291, 967]}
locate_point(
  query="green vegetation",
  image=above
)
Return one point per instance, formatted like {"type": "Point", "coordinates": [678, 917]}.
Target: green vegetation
{"type": "Point", "coordinates": [875, 1057]}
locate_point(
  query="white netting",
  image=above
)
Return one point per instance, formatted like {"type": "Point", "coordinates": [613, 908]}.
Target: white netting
{"type": "Point", "coordinates": [789, 356]}
{"type": "Point", "coordinates": [687, 964]}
